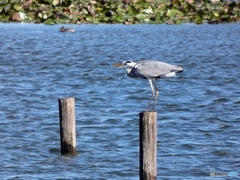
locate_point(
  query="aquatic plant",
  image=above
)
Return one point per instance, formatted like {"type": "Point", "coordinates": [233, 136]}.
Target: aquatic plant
{"type": "Point", "coordinates": [119, 11]}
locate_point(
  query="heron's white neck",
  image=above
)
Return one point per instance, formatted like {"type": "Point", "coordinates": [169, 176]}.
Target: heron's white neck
{"type": "Point", "coordinates": [130, 65]}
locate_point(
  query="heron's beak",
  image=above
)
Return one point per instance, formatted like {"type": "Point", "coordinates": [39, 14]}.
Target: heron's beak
{"type": "Point", "coordinates": [117, 64]}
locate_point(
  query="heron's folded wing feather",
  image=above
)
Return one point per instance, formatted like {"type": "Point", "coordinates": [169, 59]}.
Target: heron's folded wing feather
{"type": "Point", "coordinates": [154, 69]}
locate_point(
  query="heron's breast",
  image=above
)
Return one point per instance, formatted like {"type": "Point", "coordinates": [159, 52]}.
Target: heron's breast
{"type": "Point", "coordinates": [131, 72]}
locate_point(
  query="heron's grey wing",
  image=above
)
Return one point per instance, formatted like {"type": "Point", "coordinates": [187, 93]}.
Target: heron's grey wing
{"type": "Point", "coordinates": [154, 69]}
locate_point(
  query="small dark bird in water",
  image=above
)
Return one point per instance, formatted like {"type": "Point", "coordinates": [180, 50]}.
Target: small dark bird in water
{"type": "Point", "coordinates": [63, 29]}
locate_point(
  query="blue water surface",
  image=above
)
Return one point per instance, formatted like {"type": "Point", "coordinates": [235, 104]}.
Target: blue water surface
{"type": "Point", "coordinates": [198, 111]}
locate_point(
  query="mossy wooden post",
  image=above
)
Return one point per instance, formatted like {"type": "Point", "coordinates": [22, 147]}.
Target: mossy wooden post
{"type": "Point", "coordinates": [148, 145]}
{"type": "Point", "coordinates": [67, 125]}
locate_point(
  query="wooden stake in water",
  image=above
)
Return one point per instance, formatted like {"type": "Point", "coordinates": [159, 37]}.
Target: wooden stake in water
{"type": "Point", "coordinates": [148, 145]}
{"type": "Point", "coordinates": [67, 125]}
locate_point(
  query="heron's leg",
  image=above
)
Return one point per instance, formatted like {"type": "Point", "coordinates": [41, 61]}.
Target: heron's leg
{"type": "Point", "coordinates": [156, 94]}
{"type": "Point", "coordinates": [149, 104]}
{"type": "Point", "coordinates": [153, 92]}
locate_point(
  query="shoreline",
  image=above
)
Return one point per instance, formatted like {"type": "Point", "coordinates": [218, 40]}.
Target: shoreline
{"type": "Point", "coordinates": [123, 12]}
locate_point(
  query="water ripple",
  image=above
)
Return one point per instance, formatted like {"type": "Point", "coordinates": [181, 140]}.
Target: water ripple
{"type": "Point", "coordinates": [198, 111]}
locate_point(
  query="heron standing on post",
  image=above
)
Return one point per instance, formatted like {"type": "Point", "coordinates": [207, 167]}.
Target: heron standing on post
{"type": "Point", "coordinates": [150, 70]}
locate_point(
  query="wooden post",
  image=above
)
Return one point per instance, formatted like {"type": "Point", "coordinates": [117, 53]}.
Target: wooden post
{"type": "Point", "coordinates": [67, 125]}
{"type": "Point", "coordinates": [148, 145]}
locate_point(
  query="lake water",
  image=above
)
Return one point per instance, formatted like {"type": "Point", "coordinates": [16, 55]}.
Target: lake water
{"type": "Point", "coordinates": [198, 111]}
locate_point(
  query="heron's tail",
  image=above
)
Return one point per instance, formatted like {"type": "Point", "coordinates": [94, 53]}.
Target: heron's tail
{"type": "Point", "coordinates": [178, 69]}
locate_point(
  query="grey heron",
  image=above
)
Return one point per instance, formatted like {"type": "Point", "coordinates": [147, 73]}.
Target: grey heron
{"type": "Point", "coordinates": [148, 69]}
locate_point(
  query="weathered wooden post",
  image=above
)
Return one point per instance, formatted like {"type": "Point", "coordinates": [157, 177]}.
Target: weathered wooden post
{"type": "Point", "coordinates": [148, 145]}
{"type": "Point", "coordinates": [67, 125]}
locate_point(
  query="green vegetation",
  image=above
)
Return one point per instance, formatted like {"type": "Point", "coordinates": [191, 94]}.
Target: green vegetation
{"type": "Point", "coordinates": [119, 11]}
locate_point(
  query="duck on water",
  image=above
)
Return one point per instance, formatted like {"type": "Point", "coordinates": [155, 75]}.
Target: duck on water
{"type": "Point", "coordinates": [63, 29]}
